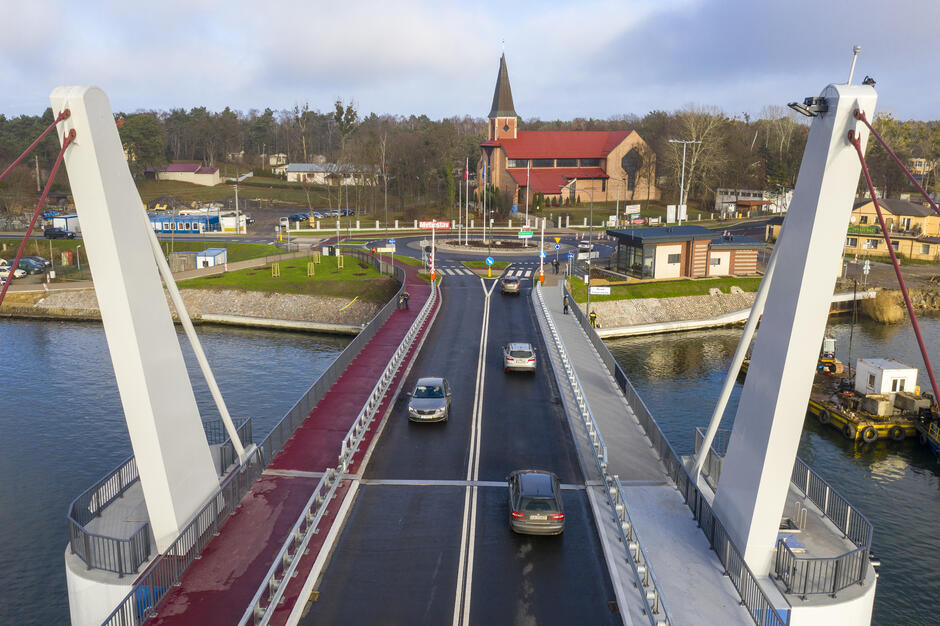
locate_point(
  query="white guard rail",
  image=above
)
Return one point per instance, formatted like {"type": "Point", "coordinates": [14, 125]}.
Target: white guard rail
{"type": "Point", "coordinates": [655, 607]}
{"type": "Point", "coordinates": [270, 592]}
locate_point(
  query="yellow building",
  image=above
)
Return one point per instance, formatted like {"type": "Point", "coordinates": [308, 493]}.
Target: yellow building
{"type": "Point", "coordinates": [914, 230]}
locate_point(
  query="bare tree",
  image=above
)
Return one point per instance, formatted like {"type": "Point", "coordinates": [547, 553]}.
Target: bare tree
{"type": "Point", "coordinates": [702, 160]}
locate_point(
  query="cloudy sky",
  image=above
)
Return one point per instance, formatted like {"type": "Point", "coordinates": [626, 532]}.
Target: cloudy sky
{"type": "Point", "coordinates": [594, 58]}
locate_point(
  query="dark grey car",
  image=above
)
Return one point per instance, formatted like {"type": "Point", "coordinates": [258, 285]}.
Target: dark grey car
{"type": "Point", "coordinates": [430, 400]}
{"type": "Point", "coordinates": [535, 505]}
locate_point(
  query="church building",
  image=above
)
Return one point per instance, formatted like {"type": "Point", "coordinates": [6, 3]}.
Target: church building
{"type": "Point", "coordinates": [561, 163]}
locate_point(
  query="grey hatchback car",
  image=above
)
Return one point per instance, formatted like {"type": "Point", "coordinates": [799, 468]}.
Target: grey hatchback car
{"type": "Point", "coordinates": [519, 357]}
{"type": "Point", "coordinates": [430, 400]}
{"type": "Point", "coordinates": [535, 505]}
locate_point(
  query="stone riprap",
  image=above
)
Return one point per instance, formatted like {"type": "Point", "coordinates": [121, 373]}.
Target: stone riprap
{"type": "Point", "coordinates": [620, 313]}
{"type": "Point", "coordinates": [83, 304]}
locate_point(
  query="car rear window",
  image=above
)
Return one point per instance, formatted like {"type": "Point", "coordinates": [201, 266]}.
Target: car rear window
{"type": "Point", "coordinates": [520, 354]}
{"type": "Point", "coordinates": [510, 280]}
{"type": "Point", "coordinates": [537, 504]}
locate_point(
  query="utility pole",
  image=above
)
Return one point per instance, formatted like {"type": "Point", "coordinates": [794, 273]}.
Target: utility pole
{"type": "Point", "coordinates": [238, 223]}
{"type": "Point", "coordinates": [682, 178]}
{"type": "Point", "coordinates": [528, 186]}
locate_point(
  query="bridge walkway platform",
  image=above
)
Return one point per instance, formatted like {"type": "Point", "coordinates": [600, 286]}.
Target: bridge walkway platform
{"type": "Point", "coordinates": [678, 551]}
{"type": "Point", "coordinates": [218, 587]}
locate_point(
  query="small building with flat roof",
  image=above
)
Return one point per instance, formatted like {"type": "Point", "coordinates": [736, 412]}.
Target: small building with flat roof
{"type": "Point", "coordinates": [683, 252]}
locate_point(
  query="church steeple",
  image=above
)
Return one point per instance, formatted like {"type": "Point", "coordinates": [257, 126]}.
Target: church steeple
{"type": "Point", "coordinates": [502, 115]}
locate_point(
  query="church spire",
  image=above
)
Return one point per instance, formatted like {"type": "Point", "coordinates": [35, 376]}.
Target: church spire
{"type": "Point", "coordinates": [502, 96]}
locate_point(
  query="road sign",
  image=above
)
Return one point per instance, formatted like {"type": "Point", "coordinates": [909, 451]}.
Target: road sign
{"type": "Point", "coordinates": [557, 246]}
{"type": "Point", "coordinates": [600, 291]}
{"type": "Point", "coordinates": [489, 260]}
{"type": "Point", "coordinates": [557, 240]}
{"type": "Point", "coordinates": [434, 224]}
{"type": "Point", "coordinates": [866, 268]}
{"type": "Point", "coordinates": [525, 234]}
{"type": "Point", "coordinates": [542, 255]}
{"type": "Point", "coordinates": [570, 256]}
{"type": "Point", "coordinates": [515, 208]}
{"type": "Point", "coordinates": [391, 242]}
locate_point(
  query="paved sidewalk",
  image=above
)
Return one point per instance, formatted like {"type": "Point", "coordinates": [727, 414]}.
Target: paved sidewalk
{"type": "Point", "coordinates": [691, 579]}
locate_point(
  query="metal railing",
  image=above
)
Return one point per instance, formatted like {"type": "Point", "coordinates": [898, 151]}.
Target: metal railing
{"type": "Point", "coordinates": [167, 569]}
{"type": "Point", "coordinates": [753, 597]}
{"type": "Point", "coordinates": [799, 574]}
{"type": "Point", "coordinates": [629, 539]}
{"type": "Point", "coordinates": [284, 430]}
{"type": "Point", "coordinates": [271, 590]}
{"type": "Point", "coordinates": [124, 555]}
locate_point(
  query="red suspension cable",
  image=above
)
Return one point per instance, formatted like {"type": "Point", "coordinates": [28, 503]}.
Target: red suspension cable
{"type": "Point", "coordinates": [860, 115]}
{"type": "Point", "coordinates": [62, 116]}
{"type": "Point", "coordinates": [854, 140]}
{"type": "Point", "coordinates": [42, 200]}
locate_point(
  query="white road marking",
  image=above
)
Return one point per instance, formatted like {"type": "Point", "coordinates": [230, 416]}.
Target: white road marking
{"type": "Point", "coordinates": [468, 526]}
{"type": "Point", "coordinates": [528, 273]}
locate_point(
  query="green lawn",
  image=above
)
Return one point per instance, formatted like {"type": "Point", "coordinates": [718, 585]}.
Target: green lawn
{"type": "Point", "coordinates": [354, 279]}
{"type": "Point", "coordinates": [407, 260]}
{"type": "Point", "coordinates": [481, 265]}
{"type": "Point", "coordinates": [236, 251]}
{"type": "Point", "coordinates": [665, 289]}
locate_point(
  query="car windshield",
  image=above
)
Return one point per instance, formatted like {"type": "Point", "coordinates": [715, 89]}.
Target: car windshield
{"type": "Point", "coordinates": [520, 354]}
{"type": "Point", "coordinates": [537, 504]}
{"type": "Point", "coordinates": [428, 391]}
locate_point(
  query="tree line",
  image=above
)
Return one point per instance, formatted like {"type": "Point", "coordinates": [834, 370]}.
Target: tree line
{"type": "Point", "coordinates": [421, 160]}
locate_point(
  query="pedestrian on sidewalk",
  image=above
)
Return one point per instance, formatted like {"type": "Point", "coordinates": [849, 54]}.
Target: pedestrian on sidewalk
{"type": "Point", "coordinates": [555, 266]}
{"type": "Point", "coordinates": [593, 317]}
{"type": "Point", "coordinates": [564, 302]}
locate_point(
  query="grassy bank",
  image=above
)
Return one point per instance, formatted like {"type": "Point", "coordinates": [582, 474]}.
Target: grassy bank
{"type": "Point", "coordinates": [481, 265]}
{"type": "Point", "coordinates": [354, 279]}
{"type": "Point", "coordinates": [667, 289]}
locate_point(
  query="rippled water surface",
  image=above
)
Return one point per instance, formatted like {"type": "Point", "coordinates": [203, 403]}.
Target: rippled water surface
{"type": "Point", "coordinates": [895, 485]}
{"type": "Point", "coordinates": [62, 428]}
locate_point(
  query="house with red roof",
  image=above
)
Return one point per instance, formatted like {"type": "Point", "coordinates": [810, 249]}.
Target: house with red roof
{"type": "Point", "coordinates": [561, 163]}
{"type": "Point", "coordinates": [190, 173]}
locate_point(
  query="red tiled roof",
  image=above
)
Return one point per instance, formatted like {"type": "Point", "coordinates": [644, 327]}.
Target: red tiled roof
{"type": "Point", "coordinates": [181, 167]}
{"type": "Point", "coordinates": [562, 144]}
{"type": "Point", "coordinates": [550, 179]}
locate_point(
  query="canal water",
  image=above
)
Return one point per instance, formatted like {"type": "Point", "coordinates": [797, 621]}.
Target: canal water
{"type": "Point", "coordinates": [896, 485]}
{"type": "Point", "coordinates": [62, 428]}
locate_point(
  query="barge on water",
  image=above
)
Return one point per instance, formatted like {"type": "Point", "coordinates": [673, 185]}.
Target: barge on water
{"type": "Point", "coordinates": [882, 402]}
{"type": "Point", "coordinates": [929, 430]}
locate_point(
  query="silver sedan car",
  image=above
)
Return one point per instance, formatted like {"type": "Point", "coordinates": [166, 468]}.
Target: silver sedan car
{"type": "Point", "coordinates": [519, 357]}
{"type": "Point", "coordinates": [430, 400]}
{"type": "Point", "coordinates": [535, 504]}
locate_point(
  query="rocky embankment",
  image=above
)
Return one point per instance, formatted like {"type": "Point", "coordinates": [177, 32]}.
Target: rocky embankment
{"type": "Point", "coordinates": [620, 313]}
{"type": "Point", "coordinates": [83, 305]}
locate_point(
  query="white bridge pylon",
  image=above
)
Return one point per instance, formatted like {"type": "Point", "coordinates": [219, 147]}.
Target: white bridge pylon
{"type": "Point", "coordinates": [174, 462]}
{"type": "Point", "coordinates": [755, 473]}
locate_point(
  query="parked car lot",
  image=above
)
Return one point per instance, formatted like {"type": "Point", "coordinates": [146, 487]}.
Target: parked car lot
{"type": "Point", "coordinates": [5, 272]}
{"type": "Point", "coordinates": [519, 357]}
{"type": "Point", "coordinates": [509, 284]}
{"type": "Point", "coordinates": [30, 266]}
{"type": "Point", "coordinates": [430, 400]}
{"type": "Point", "coordinates": [535, 504]}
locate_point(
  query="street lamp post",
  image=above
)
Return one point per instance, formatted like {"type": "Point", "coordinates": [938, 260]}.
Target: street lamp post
{"type": "Point", "coordinates": [684, 142]}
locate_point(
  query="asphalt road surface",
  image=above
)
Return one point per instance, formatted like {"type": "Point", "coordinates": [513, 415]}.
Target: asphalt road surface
{"type": "Point", "coordinates": [427, 540]}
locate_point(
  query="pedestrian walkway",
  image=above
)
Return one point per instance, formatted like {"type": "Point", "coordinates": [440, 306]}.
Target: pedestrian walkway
{"type": "Point", "coordinates": [219, 587]}
{"type": "Point", "coordinates": [678, 551]}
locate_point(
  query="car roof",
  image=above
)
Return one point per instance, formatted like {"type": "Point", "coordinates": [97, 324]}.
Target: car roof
{"type": "Point", "coordinates": [430, 381]}
{"type": "Point", "coordinates": [536, 483]}
{"type": "Point", "coordinates": [519, 346]}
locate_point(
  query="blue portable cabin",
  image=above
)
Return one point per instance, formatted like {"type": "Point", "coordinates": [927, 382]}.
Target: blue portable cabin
{"type": "Point", "coordinates": [183, 224]}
